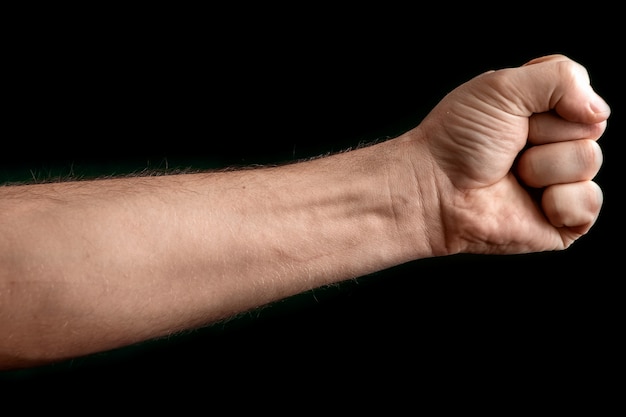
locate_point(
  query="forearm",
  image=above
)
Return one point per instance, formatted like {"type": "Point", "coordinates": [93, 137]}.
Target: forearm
{"type": "Point", "coordinates": [93, 265]}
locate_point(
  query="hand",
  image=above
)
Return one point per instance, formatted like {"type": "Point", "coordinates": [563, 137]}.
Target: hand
{"type": "Point", "coordinates": [504, 138]}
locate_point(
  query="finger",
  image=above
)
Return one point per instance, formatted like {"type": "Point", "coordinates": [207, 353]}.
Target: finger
{"type": "Point", "coordinates": [551, 83]}
{"type": "Point", "coordinates": [559, 163]}
{"type": "Point", "coordinates": [549, 127]}
{"type": "Point", "coordinates": [553, 57]}
{"type": "Point", "coordinates": [573, 205]}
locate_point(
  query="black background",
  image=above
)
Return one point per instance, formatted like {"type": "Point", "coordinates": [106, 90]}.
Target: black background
{"type": "Point", "coordinates": [108, 92]}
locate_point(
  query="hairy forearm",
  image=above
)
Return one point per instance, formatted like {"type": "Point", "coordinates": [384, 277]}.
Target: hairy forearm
{"type": "Point", "coordinates": [92, 265]}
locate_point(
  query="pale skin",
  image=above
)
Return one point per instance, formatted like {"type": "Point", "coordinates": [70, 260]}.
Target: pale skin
{"type": "Point", "coordinates": [88, 266]}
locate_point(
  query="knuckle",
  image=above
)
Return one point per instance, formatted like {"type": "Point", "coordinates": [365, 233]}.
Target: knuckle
{"type": "Point", "coordinates": [572, 71]}
{"type": "Point", "coordinates": [596, 198]}
{"type": "Point", "coordinates": [573, 204]}
{"type": "Point", "coordinates": [589, 155]}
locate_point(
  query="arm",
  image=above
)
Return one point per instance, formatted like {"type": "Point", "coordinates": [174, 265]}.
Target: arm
{"type": "Point", "coordinates": [94, 265]}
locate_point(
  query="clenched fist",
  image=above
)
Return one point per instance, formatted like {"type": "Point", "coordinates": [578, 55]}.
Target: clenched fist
{"type": "Point", "coordinates": [514, 153]}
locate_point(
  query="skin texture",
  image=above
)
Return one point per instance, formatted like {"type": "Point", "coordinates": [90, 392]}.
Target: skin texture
{"type": "Point", "coordinates": [504, 164]}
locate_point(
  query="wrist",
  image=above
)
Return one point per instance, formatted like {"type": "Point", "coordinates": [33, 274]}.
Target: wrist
{"type": "Point", "coordinates": [415, 193]}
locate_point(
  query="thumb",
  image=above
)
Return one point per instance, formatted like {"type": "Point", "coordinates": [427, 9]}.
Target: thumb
{"type": "Point", "coordinates": [555, 82]}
